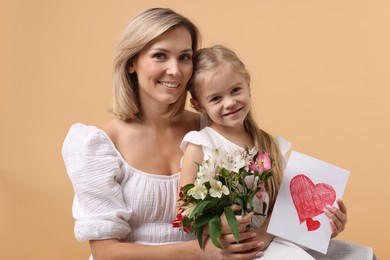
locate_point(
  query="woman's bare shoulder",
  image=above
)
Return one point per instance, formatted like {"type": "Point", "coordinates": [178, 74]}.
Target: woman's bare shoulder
{"type": "Point", "coordinates": [114, 127]}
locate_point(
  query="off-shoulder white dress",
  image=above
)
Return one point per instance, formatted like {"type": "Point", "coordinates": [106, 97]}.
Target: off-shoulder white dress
{"type": "Point", "coordinates": [112, 198]}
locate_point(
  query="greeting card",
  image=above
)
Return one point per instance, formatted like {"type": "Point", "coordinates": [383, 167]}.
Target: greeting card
{"type": "Point", "coordinates": [308, 186]}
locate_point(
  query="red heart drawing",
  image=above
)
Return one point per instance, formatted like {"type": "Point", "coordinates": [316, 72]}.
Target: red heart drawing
{"type": "Point", "coordinates": [309, 199]}
{"type": "Point", "coordinates": [312, 224]}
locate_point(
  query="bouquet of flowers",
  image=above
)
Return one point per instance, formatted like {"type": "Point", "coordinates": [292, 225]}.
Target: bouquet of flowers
{"type": "Point", "coordinates": [222, 180]}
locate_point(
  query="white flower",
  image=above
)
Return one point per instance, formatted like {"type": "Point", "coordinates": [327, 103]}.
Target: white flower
{"type": "Point", "coordinates": [219, 156]}
{"type": "Point", "coordinates": [206, 171]}
{"type": "Point", "coordinates": [188, 210]}
{"type": "Point", "coordinates": [234, 162]}
{"type": "Point", "coordinates": [217, 189]}
{"type": "Point", "coordinates": [199, 191]}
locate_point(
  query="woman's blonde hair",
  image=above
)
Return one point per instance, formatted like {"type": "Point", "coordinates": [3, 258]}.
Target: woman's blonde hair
{"type": "Point", "coordinates": [141, 30]}
{"type": "Point", "coordinates": [207, 59]}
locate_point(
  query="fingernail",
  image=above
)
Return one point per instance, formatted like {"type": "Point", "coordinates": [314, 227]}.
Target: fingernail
{"type": "Point", "coordinates": [261, 243]}
{"type": "Point", "coordinates": [253, 234]}
{"type": "Point", "coordinates": [329, 206]}
{"type": "Point", "coordinates": [326, 210]}
{"type": "Point", "coordinates": [259, 254]}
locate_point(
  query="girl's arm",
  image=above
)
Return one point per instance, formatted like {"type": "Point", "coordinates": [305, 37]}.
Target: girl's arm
{"type": "Point", "coordinates": [189, 169]}
{"type": "Point", "coordinates": [115, 250]}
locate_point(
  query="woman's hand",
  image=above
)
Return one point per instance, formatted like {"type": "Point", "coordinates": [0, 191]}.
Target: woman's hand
{"type": "Point", "coordinates": [337, 216]}
{"type": "Point", "coordinates": [243, 221]}
{"type": "Point", "coordinates": [247, 248]}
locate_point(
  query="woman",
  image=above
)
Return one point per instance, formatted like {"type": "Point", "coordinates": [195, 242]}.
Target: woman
{"type": "Point", "coordinates": [125, 174]}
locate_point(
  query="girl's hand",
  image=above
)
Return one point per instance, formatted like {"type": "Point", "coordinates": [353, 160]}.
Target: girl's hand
{"type": "Point", "coordinates": [337, 216]}
{"type": "Point", "coordinates": [243, 221]}
{"type": "Point", "coordinates": [247, 248]}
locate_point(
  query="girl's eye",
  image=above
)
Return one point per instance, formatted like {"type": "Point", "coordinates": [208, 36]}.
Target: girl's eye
{"type": "Point", "coordinates": [235, 90]}
{"type": "Point", "coordinates": [214, 99]}
{"type": "Point", "coordinates": [159, 55]}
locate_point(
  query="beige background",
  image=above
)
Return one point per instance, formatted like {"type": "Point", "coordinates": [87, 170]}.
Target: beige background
{"type": "Point", "coordinates": [320, 78]}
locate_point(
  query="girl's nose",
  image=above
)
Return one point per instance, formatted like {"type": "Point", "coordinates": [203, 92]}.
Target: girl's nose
{"type": "Point", "coordinates": [230, 102]}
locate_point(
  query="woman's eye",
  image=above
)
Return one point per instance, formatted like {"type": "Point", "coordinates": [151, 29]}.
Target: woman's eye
{"type": "Point", "coordinates": [185, 57]}
{"type": "Point", "coordinates": [159, 56]}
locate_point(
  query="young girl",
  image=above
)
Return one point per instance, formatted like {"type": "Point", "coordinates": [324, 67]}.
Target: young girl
{"type": "Point", "coordinates": [220, 89]}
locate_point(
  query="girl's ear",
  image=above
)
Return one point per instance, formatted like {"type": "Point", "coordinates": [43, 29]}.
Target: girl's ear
{"type": "Point", "coordinates": [195, 104]}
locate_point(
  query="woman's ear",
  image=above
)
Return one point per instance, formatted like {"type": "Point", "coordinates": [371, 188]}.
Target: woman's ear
{"type": "Point", "coordinates": [131, 69]}
{"type": "Point", "coordinates": [130, 66]}
{"type": "Point", "coordinates": [195, 104]}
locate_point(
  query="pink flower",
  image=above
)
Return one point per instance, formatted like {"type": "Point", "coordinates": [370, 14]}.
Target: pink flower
{"type": "Point", "coordinates": [262, 163]}
{"type": "Point", "coordinates": [259, 194]}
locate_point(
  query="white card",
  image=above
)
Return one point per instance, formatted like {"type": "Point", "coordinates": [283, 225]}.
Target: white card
{"type": "Point", "coordinates": [308, 186]}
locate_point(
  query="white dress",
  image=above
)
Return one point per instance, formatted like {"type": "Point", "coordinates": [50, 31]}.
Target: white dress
{"type": "Point", "coordinates": [279, 248]}
{"type": "Point", "coordinates": [112, 198]}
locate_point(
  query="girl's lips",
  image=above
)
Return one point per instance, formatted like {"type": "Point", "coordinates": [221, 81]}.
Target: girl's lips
{"type": "Point", "coordinates": [232, 113]}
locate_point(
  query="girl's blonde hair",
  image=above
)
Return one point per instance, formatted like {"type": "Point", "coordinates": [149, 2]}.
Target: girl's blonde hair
{"type": "Point", "coordinates": [141, 30]}
{"type": "Point", "coordinates": [207, 59]}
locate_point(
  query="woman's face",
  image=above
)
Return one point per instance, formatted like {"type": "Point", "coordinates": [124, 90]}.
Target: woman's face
{"type": "Point", "coordinates": [164, 67]}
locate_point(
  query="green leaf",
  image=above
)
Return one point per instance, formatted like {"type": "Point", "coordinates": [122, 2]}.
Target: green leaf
{"type": "Point", "coordinates": [239, 201]}
{"type": "Point", "coordinates": [201, 221]}
{"type": "Point", "coordinates": [199, 234]}
{"type": "Point", "coordinates": [215, 230]}
{"type": "Point", "coordinates": [199, 208]}
{"type": "Point", "coordinates": [232, 221]}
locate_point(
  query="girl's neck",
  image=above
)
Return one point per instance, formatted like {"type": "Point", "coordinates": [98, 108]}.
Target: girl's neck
{"type": "Point", "coordinates": [237, 135]}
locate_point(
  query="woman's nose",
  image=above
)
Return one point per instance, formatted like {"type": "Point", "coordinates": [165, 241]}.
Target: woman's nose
{"type": "Point", "coordinates": [173, 67]}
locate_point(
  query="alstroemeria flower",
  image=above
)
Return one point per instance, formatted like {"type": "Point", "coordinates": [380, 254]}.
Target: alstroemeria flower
{"type": "Point", "coordinates": [262, 163]}
{"type": "Point", "coordinates": [234, 162]}
{"type": "Point", "coordinates": [217, 189]}
{"type": "Point", "coordinates": [206, 172]}
{"type": "Point", "coordinates": [199, 191]}
{"type": "Point", "coordinates": [188, 210]}
{"type": "Point", "coordinates": [260, 193]}
{"type": "Point", "coordinates": [218, 156]}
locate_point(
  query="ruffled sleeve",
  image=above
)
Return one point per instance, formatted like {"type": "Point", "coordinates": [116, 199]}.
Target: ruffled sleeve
{"type": "Point", "coordinates": [195, 137]}
{"type": "Point", "coordinates": [94, 168]}
{"type": "Point", "coordinates": [284, 148]}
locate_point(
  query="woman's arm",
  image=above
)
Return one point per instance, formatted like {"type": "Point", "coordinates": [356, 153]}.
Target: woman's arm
{"type": "Point", "coordinates": [115, 250]}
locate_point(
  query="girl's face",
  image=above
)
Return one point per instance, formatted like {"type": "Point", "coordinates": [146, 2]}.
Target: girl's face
{"type": "Point", "coordinates": [224, 96]}
{"type": "Point", "coordinates": [164, 67]}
